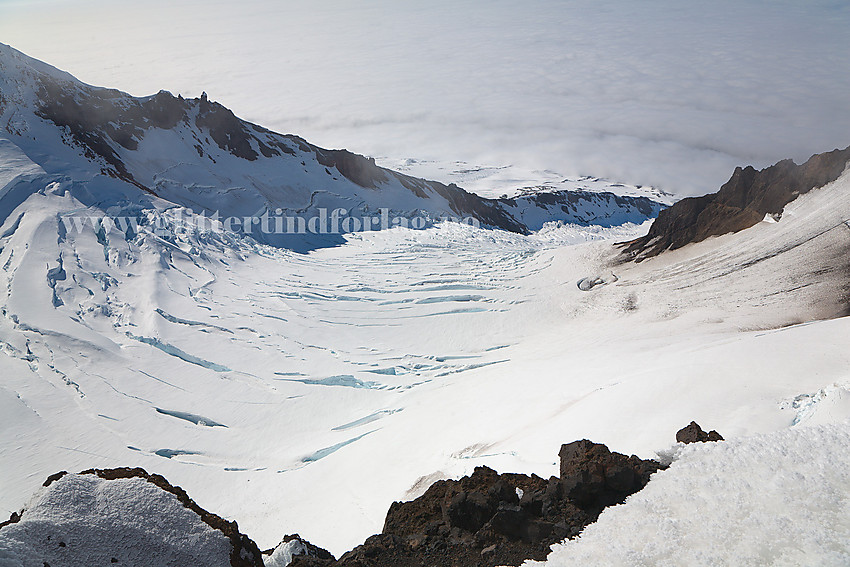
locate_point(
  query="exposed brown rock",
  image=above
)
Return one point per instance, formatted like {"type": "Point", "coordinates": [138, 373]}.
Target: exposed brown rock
{"type": "Point", "coordinates": [481, 519]}
{"type": "Point", "coordinates": [359, 169]}
{"type": "Point", "coordinates": [693, 433]}
{"type": "Point", "coordinates": [739, 204]}
{"type": "Point", "coordinates": [593, 477]}
{"type": "Point", "coordinates": [53, 478]}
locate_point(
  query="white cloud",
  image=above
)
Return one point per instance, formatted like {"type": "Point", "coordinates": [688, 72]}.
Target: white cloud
{"type": "Point", "coordinates": [673, 94]}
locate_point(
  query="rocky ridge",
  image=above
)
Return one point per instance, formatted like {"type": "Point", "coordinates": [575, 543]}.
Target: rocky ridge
{"type": "Point", "coordinates": [489, 519]}
{"type": "Point", "coordinates": [746, 199]}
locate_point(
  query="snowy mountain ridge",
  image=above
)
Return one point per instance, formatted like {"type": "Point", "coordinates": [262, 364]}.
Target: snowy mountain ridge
{"type": "Point", "coordinates": [197, 154]}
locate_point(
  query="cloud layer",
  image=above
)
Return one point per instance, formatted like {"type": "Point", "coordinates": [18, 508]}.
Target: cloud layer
{"type": "Point", "coordinates": [672, 94]}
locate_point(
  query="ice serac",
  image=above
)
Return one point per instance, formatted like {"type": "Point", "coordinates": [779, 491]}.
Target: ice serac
{"type": "Point", "coordinates": [196, 153]}
{"type": "Point", "coordinates": [742, 202]}
{"type": "Point", "coordinates": [121, 516]}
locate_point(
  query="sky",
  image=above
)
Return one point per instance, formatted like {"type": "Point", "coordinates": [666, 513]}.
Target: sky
{"type": "Point", "coordinates": [673, 94]}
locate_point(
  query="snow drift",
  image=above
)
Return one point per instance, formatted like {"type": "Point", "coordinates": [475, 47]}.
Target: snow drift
{"type": "Point", "coordinates": [120, 516]}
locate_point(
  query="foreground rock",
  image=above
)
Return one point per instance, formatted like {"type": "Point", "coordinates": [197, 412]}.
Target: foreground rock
{"type": "Point", "coordinates": [742, 202]}
{"type": "Point", "coordinates": [126, 516]}
{"type": "Point", "coordinates": [489, 519]}
{"type": "Point", "coordinates": [120, 517]}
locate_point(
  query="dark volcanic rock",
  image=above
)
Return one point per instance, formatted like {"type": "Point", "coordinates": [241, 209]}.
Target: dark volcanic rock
{"type": "Point", "coordinates": [693, 433]}
{"type": "Point", "coordinates": [356, 168]}
{"type": "Point", "coordinates": [488, 518]}
{"type": "Point", "coordinates": [741, 203]}
{"type": "Point", "coordinates": [13, 519]}
{"type": "Point", "coordinates": [227, 131]}
{"type": "Point", "coordinates": [592, 477]}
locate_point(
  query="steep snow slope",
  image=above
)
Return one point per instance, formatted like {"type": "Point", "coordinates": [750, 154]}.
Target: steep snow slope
{"type": "Point", "coordinates": [774, 499]}
{"type": "Point", "coordinates": [197, 154]}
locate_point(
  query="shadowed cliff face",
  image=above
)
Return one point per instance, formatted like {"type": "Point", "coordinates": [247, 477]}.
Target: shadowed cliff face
{"type": "Point", "coordinates": [741, 203]}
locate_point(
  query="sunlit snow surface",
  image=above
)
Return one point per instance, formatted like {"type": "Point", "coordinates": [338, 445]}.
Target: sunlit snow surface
{"type": "Point", "coordinates": [512, 180]}
{"type": "Point", "coordinates": [305, 393]}
{"type": "Point", "coordinates": [778, 499]}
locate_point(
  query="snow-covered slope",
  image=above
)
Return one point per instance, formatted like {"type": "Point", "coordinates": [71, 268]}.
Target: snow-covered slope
{"type": "Point", "coordinates": [120, 516]}
{"type": "Point", "coordinates": [197, 154]}
{"type": "Point", "coordinates": [512, 180]}
{"type": "Point", "coordinates": [773, 499]}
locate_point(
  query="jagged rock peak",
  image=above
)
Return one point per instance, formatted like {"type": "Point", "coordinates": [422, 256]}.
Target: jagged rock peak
{"type": "Point", "coordinates": [740, 203]}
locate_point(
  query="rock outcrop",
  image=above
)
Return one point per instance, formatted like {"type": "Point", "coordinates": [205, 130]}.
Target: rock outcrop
{"type": "Point", "coordinates": [693, 433]}
{"type": "Point", "coordinates": [742, 202]}
{"type": "Point", "coordinates": [489, 519]}
{"type": "Point", "coordinates": [295, 547]}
